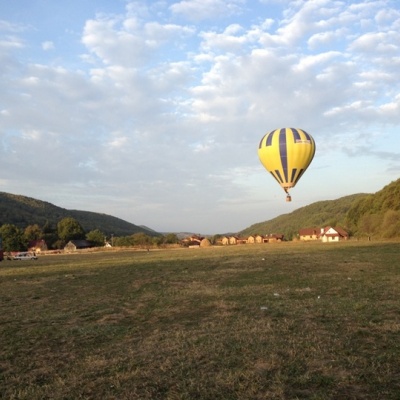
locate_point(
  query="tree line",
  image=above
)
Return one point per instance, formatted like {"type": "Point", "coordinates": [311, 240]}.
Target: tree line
{"type": "Point", "coordinates": [18, 239]}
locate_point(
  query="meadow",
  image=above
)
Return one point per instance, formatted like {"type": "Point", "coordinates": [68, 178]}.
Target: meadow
{"type": "Point", "coordinates": [272, 321]}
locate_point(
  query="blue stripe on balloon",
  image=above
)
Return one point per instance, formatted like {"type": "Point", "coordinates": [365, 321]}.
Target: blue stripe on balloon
{"type": "Point", "coordinates": [294, 170]}
{"type": "Point", "coordinates": [278, 174]}
{"type": "Point", "coordinates": [296, 134]}
{"type": "Point", "coordinates": [283, 152]}
{"type": "Point", "coordinates": [307, 136]}
{"type": "Point", "coordinates": [269, 139]}
{"type": "Point", "coordinates": [299, 176]}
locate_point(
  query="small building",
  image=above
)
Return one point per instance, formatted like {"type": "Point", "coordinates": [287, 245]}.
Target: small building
{"type": "Point", "coordinates": [273, 238]}
{"type": "Point", "coordinates": [225, 240]}
{"type": "Point", "coordinates": [309, 234]}
{"type": "Point", "coordinates": [251, 239]}
{"type": "Point", "coordinates": [192, 240]}
{"type": "Point", "coordinates": [259, 239]}
{"type": "Point", "coordinates": [74, 245]}
{"type": "Point", "coordinates": [241, 240]}
{"type": "Point", "coordinates": [37, 246]}
{"type": "Point", "coordinates": [233, 239]}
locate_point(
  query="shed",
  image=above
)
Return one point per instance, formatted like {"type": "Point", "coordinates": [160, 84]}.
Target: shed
{"type": "Point", "coordinates": [74, 245]}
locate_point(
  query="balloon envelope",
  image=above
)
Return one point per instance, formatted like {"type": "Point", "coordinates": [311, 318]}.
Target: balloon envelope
{"type": "Point", "coordinates": [286, 153]}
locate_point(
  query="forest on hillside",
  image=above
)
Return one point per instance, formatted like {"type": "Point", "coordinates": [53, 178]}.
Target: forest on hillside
{"type": "Point", "coordinates": [39, 239]}
{"type": "Point", "coordinates": [361, 215]}
{"type": "Point", "coordinates": [23, 211]}
{"type": "Point", "coordinates": [377, 215]}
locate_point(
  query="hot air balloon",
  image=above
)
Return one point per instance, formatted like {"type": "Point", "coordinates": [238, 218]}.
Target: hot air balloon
{"type": "Point", "coordinates": [286, 153]}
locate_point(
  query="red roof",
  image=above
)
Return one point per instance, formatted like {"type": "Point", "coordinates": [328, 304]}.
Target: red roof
{"type": "Point", "coordinates": [309, 231]}
{"type": "Point", "coordinates": [340, 231]}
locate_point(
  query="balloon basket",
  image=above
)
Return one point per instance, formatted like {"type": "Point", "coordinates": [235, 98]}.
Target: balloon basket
{"type": "Point", "coordinates": [288, 198]}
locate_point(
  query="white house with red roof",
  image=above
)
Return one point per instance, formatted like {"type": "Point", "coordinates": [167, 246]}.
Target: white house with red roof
{"type": "Point", "coordinates": [327, 234]}
{"type": "Point", "coordinates": [336, 234]}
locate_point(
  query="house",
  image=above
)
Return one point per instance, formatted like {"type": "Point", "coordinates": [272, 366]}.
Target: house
{"type": "Point", "coordinates": [37, 246]}
{"type": "Point", "coordinates": [192, 240]}
{"type": "Point", "coordinates": [335, 234]}
{"type": "Point", "coordinates": [233, 239]}
{"type": "Point", "coordinates": [260, 239]}
{"type": "Point", "coordinates": [251, 239]}
{"type": "Point", "coordinates": [225, 240]}
{"type": "Point", "coordinates": [256, 239]}
{"type": "Point", "coordinates": [327, 234]}
{"type": "Point", "coordinates": [309, 234]}
{"type": "Point", "coordinates": [236, 240]}
{"type": "Point", "coordinates": [272, 238]}
{"type": "Point", "coordinates": [74, 245]}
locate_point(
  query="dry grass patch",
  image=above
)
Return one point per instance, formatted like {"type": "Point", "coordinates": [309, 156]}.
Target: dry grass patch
{"type": "Point", "coordinates": [291, 321]}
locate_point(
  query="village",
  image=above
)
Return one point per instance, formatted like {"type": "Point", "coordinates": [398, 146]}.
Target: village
{"type": "Point", "coordinates": [327, 234]}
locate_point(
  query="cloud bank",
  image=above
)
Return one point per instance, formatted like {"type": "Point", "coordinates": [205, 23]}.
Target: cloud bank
{"type": "Point", "coordinates": [156, 115]}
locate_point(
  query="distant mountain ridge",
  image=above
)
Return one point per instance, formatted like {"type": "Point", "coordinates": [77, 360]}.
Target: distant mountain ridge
{"type": "Point", "coordinates": [22, 211]}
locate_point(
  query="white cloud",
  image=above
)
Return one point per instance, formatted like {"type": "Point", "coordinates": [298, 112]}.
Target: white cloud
{"type": "Point", "coordinates": [197, 10]}
{"type": "Point", "coordinates": [377, 42]}
{"type": "Point", "coordinates": [48, 45]}
{"type": "Point", "coordinates": [167, 116]}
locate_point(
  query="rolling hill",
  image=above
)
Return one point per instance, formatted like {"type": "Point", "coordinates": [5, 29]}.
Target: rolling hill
{"type": "Point", "coordinates": [377, 214]}
{"type": "Point", "coordinates": [360, 214]}
{"type": "Point", "coordinates": [22, 211]}
{"type": "Point", "coordinates": [321, 213]}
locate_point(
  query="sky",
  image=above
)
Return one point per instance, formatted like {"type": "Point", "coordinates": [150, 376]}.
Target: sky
{"type": "Point", "coordinates": [152, 111]}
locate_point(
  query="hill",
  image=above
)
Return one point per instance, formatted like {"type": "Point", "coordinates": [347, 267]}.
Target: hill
{"type": "Point", "coordinates": [377, 214]}
{"type": "Point", "coordinates": [361, 214]}
{"type": "Point", "coordinates": [22, 211]}
{"type": "Point", "coordinates": [321, 213]}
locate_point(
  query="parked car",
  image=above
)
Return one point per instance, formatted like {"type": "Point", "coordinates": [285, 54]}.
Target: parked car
{"type": "Point", "coordinates": [25, 255]}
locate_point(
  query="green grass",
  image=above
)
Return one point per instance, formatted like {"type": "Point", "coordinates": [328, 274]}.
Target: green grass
{"type": "Point", "coordinates": [284, 321]}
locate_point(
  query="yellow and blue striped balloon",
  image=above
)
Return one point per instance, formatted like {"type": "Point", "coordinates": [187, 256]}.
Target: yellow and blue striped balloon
{"type": "Point", "coordinates": [286, 153]}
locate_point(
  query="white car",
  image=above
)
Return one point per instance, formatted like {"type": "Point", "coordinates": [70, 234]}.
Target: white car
{"type": "Point", "coordinates": [25, 255]}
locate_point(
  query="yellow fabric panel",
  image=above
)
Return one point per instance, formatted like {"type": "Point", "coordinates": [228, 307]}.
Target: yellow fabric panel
{"type": "Point", "coordinates": [286, 153]}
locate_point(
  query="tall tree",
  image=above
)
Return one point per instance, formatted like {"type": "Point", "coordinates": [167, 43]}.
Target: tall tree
{"type": "Point", "coordinates": [141, 239]}
{"type": "Point", "coordinates": [33, 232]}
{"type": "Point", "coordinates": [13, 238]}
{"type": "Point", "coordinates": [96, 237]}
{"type": "Point", "coordinates": [69, 229]}
{"type": "Point", "coordinates": [171, 238]}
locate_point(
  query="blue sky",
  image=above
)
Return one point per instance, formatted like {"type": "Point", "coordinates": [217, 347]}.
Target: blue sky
{"type": "Point", "coordinates": [152, 111]}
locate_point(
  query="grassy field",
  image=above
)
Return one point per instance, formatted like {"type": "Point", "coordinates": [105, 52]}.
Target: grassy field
{"type": "Point", "coordinates": [272, 321]}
